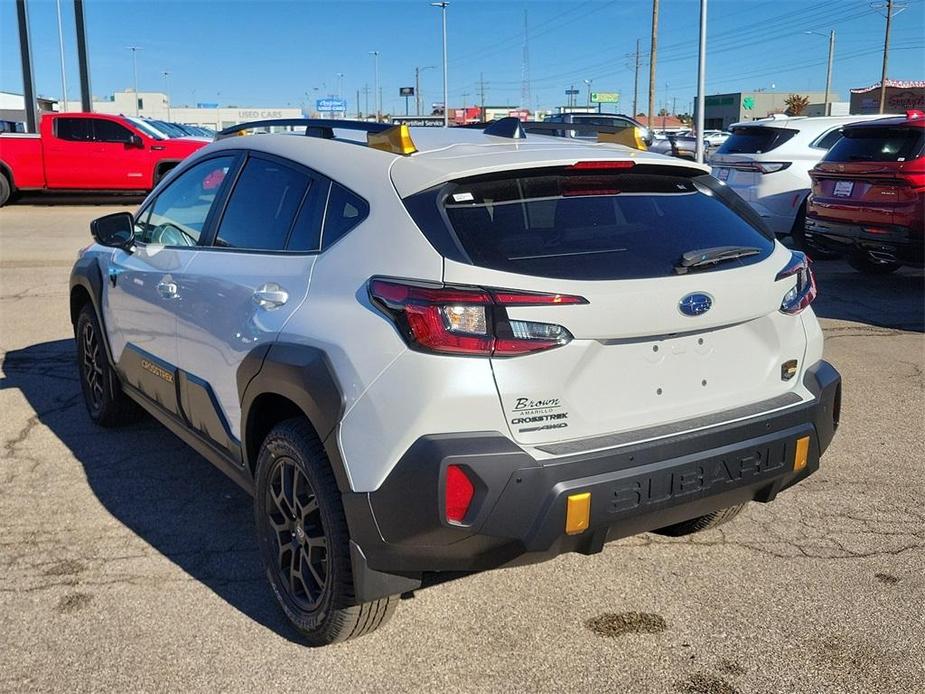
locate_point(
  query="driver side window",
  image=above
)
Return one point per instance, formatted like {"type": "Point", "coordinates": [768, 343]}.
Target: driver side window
{"type": "Point", "coordinates": [179, 213]}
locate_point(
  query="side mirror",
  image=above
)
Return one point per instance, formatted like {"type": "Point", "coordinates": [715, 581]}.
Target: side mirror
{"type": "Point", "coordinates": [115, 230]}
{"type": "Point", "coordinates": [136, 141]}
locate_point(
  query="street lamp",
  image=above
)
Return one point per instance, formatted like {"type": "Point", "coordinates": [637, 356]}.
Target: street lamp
{"type": "Point", "coordinates": [167, 91]}
{"type": "Point", "coordinates": [446, 107]}
{"type": "Point", "coordinates": [588, 83]}
{"type": "Point", "coordinates": [134, 50]}
{"type": "Point", "coordinates": [828, 72]}
{"type": "Point", "coordinates": [417, 85]}
{"type": "Point", "coordinates": [376, 95]}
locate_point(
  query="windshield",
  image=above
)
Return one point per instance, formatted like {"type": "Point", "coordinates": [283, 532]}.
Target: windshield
{"type": "Point", "coordinates": [147, 128]}
{"type": "Point", "coordinates": [170, 129]}
{"type": "Point", "coordinates": [878, 144]}
{"type": "Point", "coordinates": [595, 226]}
{"type": "Point", "coordinates": [755, 139]}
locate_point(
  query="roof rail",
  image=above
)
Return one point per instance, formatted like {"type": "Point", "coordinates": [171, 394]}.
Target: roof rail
{"type": "Point", "coordinates": [389, 138]}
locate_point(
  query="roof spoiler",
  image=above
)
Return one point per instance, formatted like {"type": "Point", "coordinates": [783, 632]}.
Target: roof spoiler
{"type": "Point", "coordinates": [389, 138]}
{"type": "Point", "coordinates": [514, 128]}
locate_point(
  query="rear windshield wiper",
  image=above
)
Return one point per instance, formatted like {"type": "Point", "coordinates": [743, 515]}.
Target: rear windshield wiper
{"type": "Point", "coordinates": [703, 257]}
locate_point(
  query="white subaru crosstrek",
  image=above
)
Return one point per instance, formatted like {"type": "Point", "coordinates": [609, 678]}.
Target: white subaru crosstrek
{"type": "Point", "coordinates": [435, 357]}
{"type": "Point", "coordinates": [767, 163]}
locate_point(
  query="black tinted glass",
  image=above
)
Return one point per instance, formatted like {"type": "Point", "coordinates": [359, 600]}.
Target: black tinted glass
{"type": "Point", "coordinates": [76, 129]}
{"type": "Point", "coordinates": [878, 144]}
{"type": "Point", "coordinates": [306, 232]}
{"type": "Point", "coordinates": [109, 131]}
{"type": "Point", "coordinates": [827, 140]}
{"type": "Point", "coordinates": [262, 206]}
{"type": "Point", "coordinates": [596, 226]}
{"type": "Point", "coordinates": [345, 211]}
{"type": "Point", "coordinates": [754, 139]}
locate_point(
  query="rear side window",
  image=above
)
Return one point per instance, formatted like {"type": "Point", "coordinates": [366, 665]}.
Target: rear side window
{"type": "Point", "coordinates": [263, 205]}
{"type": "Point", "coordinates": [878, 144]}
{"type": "Point", "coordinates": [601, 226]}
{"type": "Point", "coordinates": [74, 129]}
{"type": "Point", "coordinates": [755, 139]}
{"type": "Point", "coordinates": [828, 139]}
{"type": "Point", "coordinates": [345, 211]}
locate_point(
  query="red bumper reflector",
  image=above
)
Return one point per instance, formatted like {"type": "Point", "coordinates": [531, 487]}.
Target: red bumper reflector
{"type": "Point", "coordinates": [458, 494]}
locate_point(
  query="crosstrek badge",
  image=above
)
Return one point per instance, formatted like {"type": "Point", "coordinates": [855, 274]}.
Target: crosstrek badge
{"type": "Point", "coordinates": [540, 414]}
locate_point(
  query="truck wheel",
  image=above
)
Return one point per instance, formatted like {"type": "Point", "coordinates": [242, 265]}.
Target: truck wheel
{"type": "Point", "coordinates": [304, 539]}
{"type": "Point", "coordinates": [707, 522]}
{"type": "Point", "coordinates": [5, 190]}
{"type": "Point", "coordinates": [106, 403]}
{"type": "Point", "coordinates": [866, 263]}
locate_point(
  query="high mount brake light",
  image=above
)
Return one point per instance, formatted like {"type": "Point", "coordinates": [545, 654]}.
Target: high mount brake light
{"type": "Point", "coordinates": [803, 292]}
{"type": "Point", "coordinates": [469, 321]}
{"type": "Point", "coordinates": [592, 165]}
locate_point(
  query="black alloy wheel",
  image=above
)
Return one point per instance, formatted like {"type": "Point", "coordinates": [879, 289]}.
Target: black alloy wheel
{"type": "Point", "coordinates": [92, 368]}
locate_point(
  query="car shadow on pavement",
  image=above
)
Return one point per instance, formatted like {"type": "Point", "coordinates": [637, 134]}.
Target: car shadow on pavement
{"type": "Point", "coordinates": [172, 498]}
{"type": "Point", "coordinates": [895, 301]}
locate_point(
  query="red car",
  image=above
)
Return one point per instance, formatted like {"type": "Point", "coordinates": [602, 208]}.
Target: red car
{"type": "Point", "coordinates": [87, 152]}
{"type": "Point", "coordinates": [868, 195]}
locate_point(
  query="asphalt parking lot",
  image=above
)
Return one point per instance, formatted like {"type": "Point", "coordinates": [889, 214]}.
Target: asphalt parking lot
{"type": "Point", "coordinates": [129, 563]}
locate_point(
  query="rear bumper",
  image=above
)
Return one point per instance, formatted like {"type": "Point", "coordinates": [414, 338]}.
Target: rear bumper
{"type": "Point", "coordinates": [518, 513]}
{"type": "Point", "coordinates": [903, 244]}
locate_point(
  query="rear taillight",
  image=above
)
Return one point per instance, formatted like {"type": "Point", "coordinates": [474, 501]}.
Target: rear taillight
{"type": "Point", "coordinates": [469, 320]}
{"type": "Point", "coordinates": [458, 494]}
{"type": "Point", "coordinates": [803, 292]}
{"type": "Point", "coordinates": [762, 167]}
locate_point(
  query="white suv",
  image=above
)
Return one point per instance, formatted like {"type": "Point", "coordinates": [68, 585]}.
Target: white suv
{"type": "Point", "coordinates": [767, 163]}
{"type": "Point", "coordinates": [434, 357]}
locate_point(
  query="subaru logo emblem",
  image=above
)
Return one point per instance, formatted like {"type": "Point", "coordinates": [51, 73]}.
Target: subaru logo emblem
{"type": "Point", "coordinates": [695, 304]}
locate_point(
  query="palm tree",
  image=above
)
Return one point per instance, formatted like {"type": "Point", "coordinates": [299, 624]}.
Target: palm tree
{"type": "Point", "coordinates": [796, 104]}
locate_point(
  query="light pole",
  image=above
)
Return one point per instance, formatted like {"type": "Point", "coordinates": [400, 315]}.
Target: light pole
{"type": "Point", "coordinates": [167, 91]}
{"type": "Point", "coordinates": [375, 55]}
{"type": "Point", "coordinates": [701, 80]}
{"type": "Point", "coordinates": [134, 50]}
{"type": "Point", "coordinates": [417, 85]}
{"type": "Point", "coordinates": [446, 107]}
{"type": "Point", "coordinates": [588, 84]}
{"type": "Point", "coordinates": [828, 72]}
{"type": "Point", "coordinates": [340, 91]}
{"type": "Point", "coordinates": [61, 50]}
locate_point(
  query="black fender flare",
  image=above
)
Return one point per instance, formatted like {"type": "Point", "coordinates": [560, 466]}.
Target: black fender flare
{"type": "Point", "coordinates": [87, 274]}
{"type": "Point", "coordinates": [303, 375]}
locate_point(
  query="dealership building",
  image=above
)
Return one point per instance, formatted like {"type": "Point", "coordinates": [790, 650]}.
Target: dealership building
{"type": "Point", "coordinates": [901, 96]}
{"type": "Point", "coordinates": [722, 110]}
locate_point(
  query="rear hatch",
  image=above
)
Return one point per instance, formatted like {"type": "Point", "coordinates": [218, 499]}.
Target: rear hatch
{"type": "Point", "coordinates": [873, 175]}
{"type": "Point", "coordinates": [655, 342]}
{"type": "Point", "coordinates": [736, 160]}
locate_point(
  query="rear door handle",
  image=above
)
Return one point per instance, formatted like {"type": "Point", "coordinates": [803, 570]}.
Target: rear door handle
{"type": "Point", "coordinates": [270, 296]}
{"type": "Point", "coordinates": [167, 289]}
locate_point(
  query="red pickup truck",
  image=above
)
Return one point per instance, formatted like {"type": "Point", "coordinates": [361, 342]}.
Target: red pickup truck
{"type": "Point", "coordinates": [87, 152]}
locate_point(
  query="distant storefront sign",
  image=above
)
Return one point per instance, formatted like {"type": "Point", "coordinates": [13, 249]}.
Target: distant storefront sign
{"type": "Point", "coordinates": [331, 105]}
{"type": "Point", "coordinates": [406, 91]}
{"type": "Point", "coordinates": [207, 105]}
{"type": "Point", "coordinates": [605, 97]}
{"type": "Point", "coordinates": [419, 121]}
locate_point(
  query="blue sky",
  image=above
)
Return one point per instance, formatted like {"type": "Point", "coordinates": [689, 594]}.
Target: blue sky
{"type": "Point", "coordinates": [269, 53]}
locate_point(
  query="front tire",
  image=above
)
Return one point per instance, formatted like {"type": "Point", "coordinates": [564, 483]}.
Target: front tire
{"type": "Point", "coordinates": [106, 402]}
{"type": "Point", "coordinates": [304, 539]}
{"type": "Point", "coordinates": [867, 264]}
{"type": "Point", "coordinates": [700, 523]}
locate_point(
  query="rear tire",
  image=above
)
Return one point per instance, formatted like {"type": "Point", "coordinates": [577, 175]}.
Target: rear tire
{"type": "Point", "coordinates": [6, 190]}
{"type": "Point", "coordinates": [304, 540]}
{"type": "Point", "coordinates": [707, 522]}
{"type": "Point", "coordinates": [867, 264]}
{"type": "Point", "coordinates": [798, 234]}
{"type": "Point", "coordinates": [107, 404]}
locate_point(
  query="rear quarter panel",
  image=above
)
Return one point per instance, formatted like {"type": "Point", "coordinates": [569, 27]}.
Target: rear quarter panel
{"type": "Point", "coordinates": [23, 158]}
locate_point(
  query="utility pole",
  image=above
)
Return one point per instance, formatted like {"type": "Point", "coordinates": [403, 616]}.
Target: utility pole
{"type": "Point", "coordinates": [375, 55]}
{"type": "Point", "coordinates": [652, 53]}
{"type": "Point", "coordinates": [366, 94]}
{"type": "Point", "coordinates": [359, 115]}
{"type": "Point", "coordinates": [446, 106]}
{"type": "Point", "coordinates": [636, 83]}
{"type": "Point", "coordinates": [701, 80]}
{"type": "Point", "coordinates": [167, 91]}
{"type": "Point", "coordinates": [886, 53]}
{"type": "Point", "coordinates": [482, 96]}
{"type": "Point", "coordinates": [83, 63]}
{"type": "Point", "coordinates": [63, 107]}
{"type": "Point", "coordinates": [134, 50]}
{"type": "Point", "coordinates": [417, 91]}
{"type": "Point", "coordinates": [25, 53]}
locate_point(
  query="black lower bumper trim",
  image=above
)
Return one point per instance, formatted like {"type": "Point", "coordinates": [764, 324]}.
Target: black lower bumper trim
{"type": "Point", "coordinates": [902, 244]}
{"type": "Point", "coordinates": [519, 509]}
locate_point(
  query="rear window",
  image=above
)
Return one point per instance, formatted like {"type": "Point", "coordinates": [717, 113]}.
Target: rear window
{"type": "Point", "coordinates": [755, 139]}
{"type": "Point", "coordinates": [878, 144]}
{"type": "Point", "coordinates": [600, 226]}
